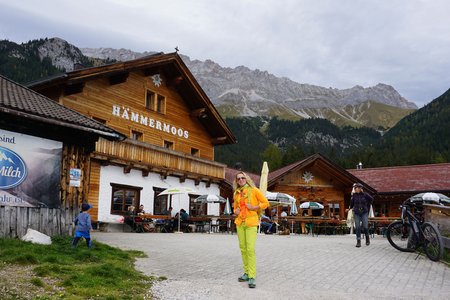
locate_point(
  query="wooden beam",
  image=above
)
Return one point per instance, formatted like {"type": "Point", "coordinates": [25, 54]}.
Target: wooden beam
{"type": "Point", "coordinates": [145, 172]}
{"type": "Point", "coordinates": [208, 183]}
{"type": "Point", "coordinates": [74, 88]}
{"type": "Point", "coordinates": [197, 181]}
{"type": "Point", "coordinates": [164, 174]}
{"type": "Point", "coordinates": [219, 140]}
{"type": "Point", "coordinates": [198, 113]}
{"type": "Point", "coordinates": [118, 78]}
{"type": "Point", "coordinates": [183, 178]}
{"type": "Point", "coordinates": [127, 168]}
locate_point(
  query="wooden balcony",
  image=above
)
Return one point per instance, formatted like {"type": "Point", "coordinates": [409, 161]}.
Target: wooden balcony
{"type": "Point", "coordinates": [133, 154]}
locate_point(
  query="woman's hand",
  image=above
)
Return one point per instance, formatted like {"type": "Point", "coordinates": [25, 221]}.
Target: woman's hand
{"type": "Point", "coordinates": [238, 210]}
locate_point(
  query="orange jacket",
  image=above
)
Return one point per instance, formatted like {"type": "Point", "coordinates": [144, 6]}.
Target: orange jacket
{"type": "Point", "coordinates": [254, 197]}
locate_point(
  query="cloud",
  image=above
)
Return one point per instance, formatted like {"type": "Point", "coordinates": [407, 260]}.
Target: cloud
{"type": "Point", "coordinates": [404, 43]}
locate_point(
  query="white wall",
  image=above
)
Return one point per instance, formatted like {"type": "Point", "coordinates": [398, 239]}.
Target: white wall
{"type": "Point", "coordinates": [114, 174]}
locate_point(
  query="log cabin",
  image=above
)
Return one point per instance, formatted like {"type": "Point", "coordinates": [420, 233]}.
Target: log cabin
{"type": "Point", "coordinates": [171, 127]}
{"type": "Point", "coordinates": [45, 161]}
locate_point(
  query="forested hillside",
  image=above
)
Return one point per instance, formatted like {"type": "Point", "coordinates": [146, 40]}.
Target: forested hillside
{"type": "Point", "coordinates": [22, 63]}
{"type": "Point", "coordinates": [281, 142]}
{"type": "Point", "coordinates": [420, 138]}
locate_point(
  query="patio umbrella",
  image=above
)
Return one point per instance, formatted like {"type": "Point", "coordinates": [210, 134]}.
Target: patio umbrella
{"type": "Point", "coordinates": [430, 197]}
{"type": "Point", "coordinates": [279, 199]}
{"type": "Point", "coordinates": [227, 210]}
{"type": "Point", "coordinates": [210, 198]}
{"type": "Point", "coordinates": [264, 178]}
{"type": "Point", "coordinates": [182, 190]}
{"type": "Point", "coordinates": [311, 205]}
{"type": "Point", "coordinates": [294, 210]}
{"type": "Point", "coordinates": [371, 214]}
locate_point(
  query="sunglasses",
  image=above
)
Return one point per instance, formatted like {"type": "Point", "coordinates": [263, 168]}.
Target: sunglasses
{"type": "Point", "coordinates": [239, 178]}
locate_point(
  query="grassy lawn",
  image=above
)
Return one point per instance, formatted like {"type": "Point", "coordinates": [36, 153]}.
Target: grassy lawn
{"type": "Point", "coordinates": [59, 272]}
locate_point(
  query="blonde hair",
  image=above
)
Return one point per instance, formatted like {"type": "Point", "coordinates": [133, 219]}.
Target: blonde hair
{"type": "Point", "coordinates": [247, 179]}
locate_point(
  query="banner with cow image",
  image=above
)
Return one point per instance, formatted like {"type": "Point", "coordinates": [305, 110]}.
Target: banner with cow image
{"type": "Point", "coordinates": [30, 169]}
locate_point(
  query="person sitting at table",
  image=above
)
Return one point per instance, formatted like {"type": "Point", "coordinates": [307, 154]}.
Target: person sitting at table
{"type": "Point", "coordinates": [284, 221]}
{"type": "Point", "coordinates": [129, 217]}
{"type": "Point", "coordinates": [141, 210]}
{"type": "Point", "coordinates": [266, 224]}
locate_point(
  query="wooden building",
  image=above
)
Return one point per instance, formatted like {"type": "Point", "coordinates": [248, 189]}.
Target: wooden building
{"type": "Point", "coordinates": [396, 184]}
{"type": "Point", "coordinates": [172, 129]}
{"type": "Point", "coordinates": [315, 178]}
{"type": "Point", "coordinates": [44, 161]}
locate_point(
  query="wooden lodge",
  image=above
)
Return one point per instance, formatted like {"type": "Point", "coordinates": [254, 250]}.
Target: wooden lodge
{"type": "Point", "coordinates": [171, 128]}
{"type": "Point", "coordinates": [315, 178]}
{"type": "Point", "coordinates": [45, 161]}
{"type": "Point", "coordinates": [318, 179]}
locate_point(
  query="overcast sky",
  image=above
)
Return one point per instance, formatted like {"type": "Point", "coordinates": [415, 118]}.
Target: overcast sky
{"type": "Point", "coordinates": [330, 43]}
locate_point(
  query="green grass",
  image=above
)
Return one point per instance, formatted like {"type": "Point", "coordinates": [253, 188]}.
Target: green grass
{"type": "Point", "coordinates": [103, 272]}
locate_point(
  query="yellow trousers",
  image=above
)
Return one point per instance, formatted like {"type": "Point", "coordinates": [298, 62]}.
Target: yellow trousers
{"type": "Point", "coordinates": [247, 240]}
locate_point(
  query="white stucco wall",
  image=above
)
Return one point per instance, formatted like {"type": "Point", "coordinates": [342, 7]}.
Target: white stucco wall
{"type": "Point", "coordinates": [114, 174]}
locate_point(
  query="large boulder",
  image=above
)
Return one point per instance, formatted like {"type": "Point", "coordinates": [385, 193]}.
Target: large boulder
{"type": "Point", "coordinates": [36, 237]}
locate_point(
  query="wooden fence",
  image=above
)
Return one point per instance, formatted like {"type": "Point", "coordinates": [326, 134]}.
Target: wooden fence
{"type": "Point", "coordinates": [439, 215]}
{"type": "Point", "coordinates": [14, 221]}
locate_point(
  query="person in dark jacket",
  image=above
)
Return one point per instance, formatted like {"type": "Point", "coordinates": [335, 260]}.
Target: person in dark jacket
{"type": "Point", "coordinates": [360, 203]}
{"type": "Point", "coordinates": [83, 226]}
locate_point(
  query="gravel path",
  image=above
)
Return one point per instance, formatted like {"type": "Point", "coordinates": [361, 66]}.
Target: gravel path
{"type": "Point", "coordinates": [206, 266]}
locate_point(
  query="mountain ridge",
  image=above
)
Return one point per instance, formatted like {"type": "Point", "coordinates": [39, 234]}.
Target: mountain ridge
{"type": "Point", "coordinates": [241, 91]}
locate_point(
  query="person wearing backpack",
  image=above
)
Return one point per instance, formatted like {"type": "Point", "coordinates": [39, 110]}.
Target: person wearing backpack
{"type": "Point", "coordinates": [249, 202]}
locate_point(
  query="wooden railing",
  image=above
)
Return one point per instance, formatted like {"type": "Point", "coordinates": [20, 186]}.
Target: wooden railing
{"type": "Point", "coordinates": [440, 216]}
{"type": "Point", "coordinates": [146, 156]}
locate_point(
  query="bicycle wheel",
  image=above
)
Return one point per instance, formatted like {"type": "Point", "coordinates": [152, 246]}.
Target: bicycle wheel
{"type": "Point", "coordinates": [433, 246]}
{"type": "Point", "coordinates": [401, 236]}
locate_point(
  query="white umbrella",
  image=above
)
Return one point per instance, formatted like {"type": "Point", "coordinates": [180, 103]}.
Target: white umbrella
{"type": "Point", "coordinates": [282, 199]}
{"type": "Point", "coordinates": [179, 191]}
{"type": "Point", "coordinates": [430, 197]}
{"type": "Point", "coordinates": [371, 214]}
{"type": "Point", "coordinates": [227, 210]}
{"type": "Point", "coordinates": [311, 205]}
{"type": "Point", "coordinates": [210, 198]}
{"type": "Point", "coordinates": [294, 210]}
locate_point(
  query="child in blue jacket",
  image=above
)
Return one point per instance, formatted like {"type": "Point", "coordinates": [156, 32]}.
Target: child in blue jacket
{"type": "Point", "coordinates": [84, 225]}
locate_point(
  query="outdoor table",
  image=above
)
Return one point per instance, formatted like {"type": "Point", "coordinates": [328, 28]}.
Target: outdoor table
{"type": "Point", "coordinates": [199, 222]}
{"type": "Point", "coordinates": [229, 222]}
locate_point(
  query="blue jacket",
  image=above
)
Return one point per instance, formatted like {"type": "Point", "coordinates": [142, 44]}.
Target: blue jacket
{"type": "Point", "coordinates": [361, 202]}
{"type": "Point", "coordinates": [83, 222]}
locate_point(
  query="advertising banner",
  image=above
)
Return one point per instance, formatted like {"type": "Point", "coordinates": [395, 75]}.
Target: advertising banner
{"type": "Point", "coordinates": [30, 169]}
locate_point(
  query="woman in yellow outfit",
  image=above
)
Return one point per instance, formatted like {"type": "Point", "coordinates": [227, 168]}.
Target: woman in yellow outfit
{"type": "Point", "coordinates": [248, 202]}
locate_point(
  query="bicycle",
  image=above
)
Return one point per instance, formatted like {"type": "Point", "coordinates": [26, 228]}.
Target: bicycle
{"type": "Point", "coordinates": [411, 233]}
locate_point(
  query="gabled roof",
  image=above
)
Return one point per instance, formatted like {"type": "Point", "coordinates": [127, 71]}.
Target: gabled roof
{"type": "Point", "coordinates": [18, 101]}
{"type": "Point", "coordinates": [319, 161]}
{"type": "Point", "coordinates": [169, 64]}
{"type": "Point", "coordinates": [417, 178]}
